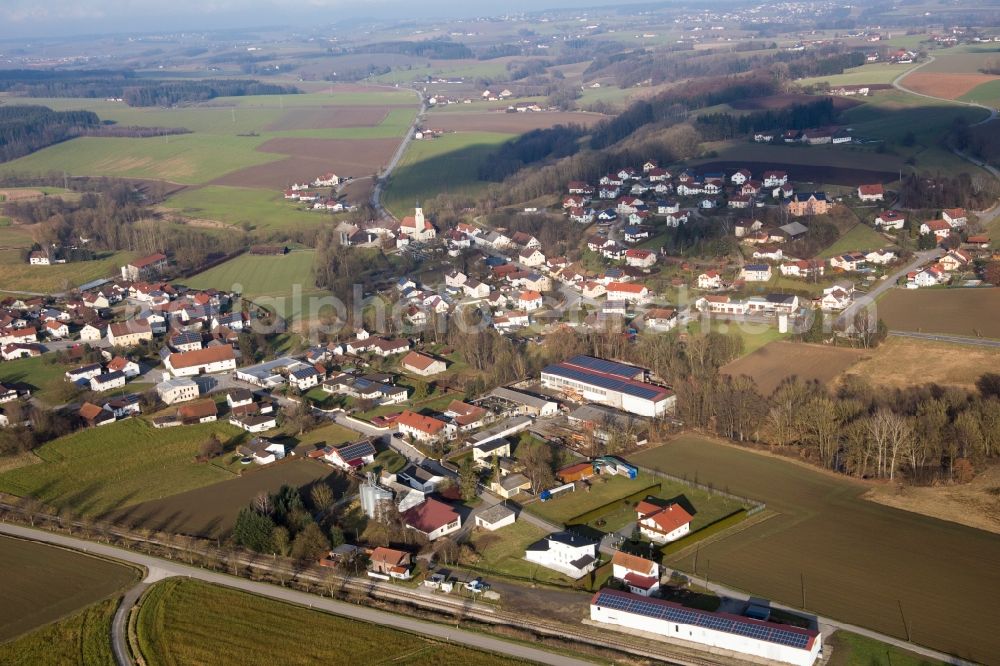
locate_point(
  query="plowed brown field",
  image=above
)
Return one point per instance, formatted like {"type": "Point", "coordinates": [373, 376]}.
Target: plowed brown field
{"type": "Point", "coordinates": [945, 86]}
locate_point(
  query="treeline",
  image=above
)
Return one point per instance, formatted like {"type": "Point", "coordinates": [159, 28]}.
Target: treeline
{"type": "Point", "coordinates": [719, 126]}
{"type": "Point", "coordinates": [941, 191]}
{"type": "Point", "coordinates": [531, 147]}
{"type": "Point", "coordinates": [134, 91]}
{"type": "Point", "coordinates": [284, 523]}
{"type": "Point", "coordinates": [113, 216]}
{"type": "Point", "coordinates": [438, 49]}
{"type": "Point", "coordinates": [25, 129]}
{"type": "Point", "coordinates": [169, 93]}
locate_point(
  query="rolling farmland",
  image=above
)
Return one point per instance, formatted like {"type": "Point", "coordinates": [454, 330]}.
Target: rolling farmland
{"type": "Point", "coordinates": [95, 471]}
{"type": "Point", "coordinates": [775, 362]}
{"type": "Point", "coordinates": [83, 638]}
{"type": "Point", "coordinates": [43, 583]}
{"type": "Point", "coordinates": [851, 559]}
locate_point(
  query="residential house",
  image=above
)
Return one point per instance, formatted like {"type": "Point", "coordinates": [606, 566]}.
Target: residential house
{"type": "Point", "coordinates": [837, 297]}
{"type": "Point", "coordinates": [873, 192]}
{"type": "Point", "coordinates": [94, 415]}
{"type": "Point", "coordinates": [955, 260]}
{"type": "Point", "coordinates": [262, 451]}
{"type": "Point", "coordinates": [628, 291]}
{"type": "Point", "coordinates": [802, 268]}
{"type": "Point", "coordinates": [662, 524]}
{"type": "Point", "coordinates": [120, 364]}
{"type": "Point", "coordinates": [350, 456]}
{"type": "Point", "coordinates": [129, 333]}
{"type": "Point", "coordinates": [881, 257]}
{"type": "Point", "coordinates": [640, 258]}
{"type": "Point", "coordinates": [774, 178]}
{"type": "Point", "coordinates": [756, 272]}
{"type": "Point", "coordinates": [568, 553]}
{"type": "Point", "coordinates": [660, 319]}
{"type": "Point", "coordinates": [84, 373]}
{"type": "Point", "coordinates": [145, 268]}
{"type": "Point", "coordinates": [199, 411]}
{"type": "Point", "coordinates": [848, 262]}
{"type": "Point", "coordinates": [956, 217]}
{"type": "Point", "coordinates": [640, 575]}
{"type": "Point", "coordinates": [807, 203]}
{"type": "Point", "coordinates": [710, 280]}
{"type": "Point", "coordinates": [177, 389]}
{"type": "Point", "coordinates": [90, 333]}
{"type": "Point", "coordinates": [529, 300]}
{"type": "Point", "coordinates": [391, 562]}
{"type": "Point", "coordinates": [531, 257]}
{"type": "Point", "coordinates": [940, 228]}
{"type": "Point", "coordinates": [433, 519]}
{"type": "Point", "coordinates": [890, 219]}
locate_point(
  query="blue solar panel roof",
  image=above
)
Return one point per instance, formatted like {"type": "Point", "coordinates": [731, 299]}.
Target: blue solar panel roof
{"type": "Point", "coordinates": [605, 366]}
{"type": "Point", "coordinates": [356, 450]}
{"type": "Point", "coordinates": [636, 389]}
{"type": "Point", "coordinates": [760, 630]}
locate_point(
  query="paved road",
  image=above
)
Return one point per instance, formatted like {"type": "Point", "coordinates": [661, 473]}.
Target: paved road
{"type": "Point", "coordinates": [953, 339]}
{"type": "Point", "coordinates": [376, 200]}
{"type": "Point", "coordinates": [168, 568]}
{"type": "Point", "coordinates": [119, 625]}
{"type": "Point", "coordinates": [919, 259]}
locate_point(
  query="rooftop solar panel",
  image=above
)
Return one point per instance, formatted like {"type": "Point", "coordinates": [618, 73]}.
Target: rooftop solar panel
{"type": "Point", "coordinates": [356, 450]}
{"type": "Point", "coordinates": [637, 389]}
{"type": "Point", "coordinates": [605, 366]}
{"type": "Point", "coordinates": [772, 633]}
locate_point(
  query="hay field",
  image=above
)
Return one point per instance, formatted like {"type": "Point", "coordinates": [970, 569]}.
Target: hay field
{"type": "Point", "coordinates": [777, 361]}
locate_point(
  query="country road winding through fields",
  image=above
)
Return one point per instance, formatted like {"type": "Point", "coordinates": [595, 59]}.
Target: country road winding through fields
{"type": "Point", "coordinates": [380, 182]}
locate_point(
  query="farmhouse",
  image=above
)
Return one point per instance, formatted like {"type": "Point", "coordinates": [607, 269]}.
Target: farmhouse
{"type": "Point", "coordinates": [199, 411]}
{"type": "Point", "coordinates": [422, 365]}
{"type": "Point", "coordinates": [202, 361]}
{"type": "Point", "coordinates": [956, 217]}
{"type": "Point", "coordinates": [873, 192]}
{"type": "Point", "coordinates": [617, 385]}
{"type": "Point", "coordinates": [433, 519]}
{"type": "Point", "coordinates": [770, 641]}
{"type": "Point", "coordinates": [38, 258]}
{"type": "Point", "coordinates": [145, 268]}
{"type": "Point", "coordinates": [642, 576]}
{"type": "Point", "coordinates": [423, 428]}
{"type": "Point", "coordinates": [129, 333]}
{"type": "Point", "coordinates": [570, 554]}
{"type": "Point", "coordinates": [662, 524]}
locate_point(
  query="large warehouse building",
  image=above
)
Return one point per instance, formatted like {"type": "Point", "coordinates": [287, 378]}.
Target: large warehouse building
{"type": "Point", "coordinates": [617, 385]}
{"type": "Point", "coordinates": [721, 631]}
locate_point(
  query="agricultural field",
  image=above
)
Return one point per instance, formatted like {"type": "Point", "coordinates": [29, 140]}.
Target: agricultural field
{"type": "Point", "coordinates": [352, 124]}
{"type": "Point", "coordinates": [270, 281]}
{"type": "Point", "coordinates": [189, 622]}
{"type": "Point", "coordinates": [46, 378]}
{"type": "Point", "coordinates": [900, 362]}
{"type": "Point", "coordinates": [775, 362]}
{"type": "Point", "coordinates": [945, 86]}
{"type": "Point", "coordinates": [985, 93]}
{"type": "Point", "coordinates": [861, 237]}
{"type": "Point", "coordinates": [970, 312]}
{"type": "Point", "coordinates": [508, 123]}
{"type": "Point", "coordinates": [852, 559]}
{"type": "Point", "coordinates": [44, 583]}
{"type": "Point", "coordinates": [210, 511]}
{"type": "Point", "coordinates": [95, 471]}
{"type": "Point", "coordinates": [449, 164]}
{"type": "Point", "coordinates": [18, 275]}
{"type": "Point", "coordinates": [84, 639]}
{"type": "Point", "coordinates": [876, 72]}
{"type": "Point", "coordinates": [262, 209]}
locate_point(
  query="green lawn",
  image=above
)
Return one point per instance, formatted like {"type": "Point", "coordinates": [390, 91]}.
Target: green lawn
{"type": "Point", "coordinates": [603, 490]}
{"type": "Point", "coordinates": [502, 552]}
{"type": "Point", "coordinates": [17, 275]}
{"type": "Point", "coordinates": [263, 210]}
{"type": "Point", "coordinates": [47, 377]}
{"type": "Point", "coordinates": [754, 335]}
{"type": "Point", "coordinates": [860, 238]}
{"type": "Point", "coordinates": [851, 649]}
{"type": "Point", "coordinates": [331, 434]}
{"type": "Point", "coordinates": [449, 165]}
{"type": "Point", "coordinates": [283, 283]}
{"type": "Point", "coordinates": [189, 622]}
{"type": "Point", "coordinates": [97, 470]}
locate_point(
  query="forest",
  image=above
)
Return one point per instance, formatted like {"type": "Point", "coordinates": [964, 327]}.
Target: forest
{"type": "Point", "coordinates": [719, 126]}
{"type": "Point", "coordinates": [124, 85]}
{"type": "Point", "coordinates": [25, 129]}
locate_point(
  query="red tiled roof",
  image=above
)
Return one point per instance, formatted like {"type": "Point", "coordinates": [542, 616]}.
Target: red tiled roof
{"type": "Point", "coordinates": [420, 422]}
{"type": "Point", "coordinates": [201, 356]}
{"type": "Point", "coordinates": [418, 360]}
{"type": "Point", "coordinates": [429, 515]}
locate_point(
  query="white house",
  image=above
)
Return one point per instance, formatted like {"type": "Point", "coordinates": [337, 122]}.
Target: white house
{"type": "Point", "coordinates": [880, 257]}
{"type": "Point", "coordinates": [422, 364]}
{"type": "Point", "coordinates": [262, 451]}
{"type": "Point", "coordinates": [890, 219]}
{"type": "Point", "coordinates": [531, 257]}
{"type": "Point", "coordinates": [662, 524]}
{"type": "Point", "coordinates": [108, 381]}
{"type": "Point", "coordinates": [178, 389]}
{"type": "Point", "coordinates": [529, 300]}
{"type": "Point", "coordinates": [432, 518]}
{"type": "Point", "coordinates": [424, 428]}
{"type": "Point", "coordinates": [956, 217]}
{"type": "Point", "coordinates": [56, 329]}
{"type": "Point", "coordinates": [570, 554]}
{"type": "Point", "coordinates": [710, 280]}
{"type": "Point", "coordinates": [874, 192]}
{"type": "Point", "coordinates": [90, 333]}
{"type": "Point", "coordinates": [837, 297]}
{"type": "Point", "coordinates": [640, 258]}
{"type": "Point", "coordinates": [642, 576]}
{"type": "Point", "coordinates": [628, 291]}
{"type": "Point", "coordinates": [756, 272]}
{"type": "Point", "coordinates": [351, 455]}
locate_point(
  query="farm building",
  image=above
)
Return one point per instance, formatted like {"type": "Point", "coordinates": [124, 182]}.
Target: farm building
{"type": "Point", "coordinates": [201, 361]}
{"type": "Point", "coordinates": [618, 385]}
{"type": "Point", "coordinates": [577, 472]}
{"type": "Point", "coordinates": [743, 635]}
{"type": "Point", "coordinates": [144, 268]}
{"type": "Point", "coordinates": [422, 365]}
{"type": "Point", "coordinates": [526, 403]}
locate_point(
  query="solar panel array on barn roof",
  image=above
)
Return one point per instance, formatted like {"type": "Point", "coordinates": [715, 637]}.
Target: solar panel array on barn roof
{"type": "Point", "coordinates": [633, 388]}
{"type": "Point", "coordinates": [605, 366]}
{"type": "Point", "coordinates": [730, 624]}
